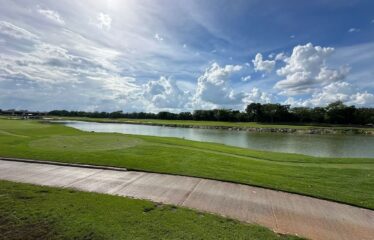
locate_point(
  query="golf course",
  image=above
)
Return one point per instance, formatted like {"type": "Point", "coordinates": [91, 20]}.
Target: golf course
{"type": "Point", "coordinates": [324, 178]}
{"type": "Point", "coordinates": [200, 120]}
{"type": "Point", "coordinates": [39, 212]}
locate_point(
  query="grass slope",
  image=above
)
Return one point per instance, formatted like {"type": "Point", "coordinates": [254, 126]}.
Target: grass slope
{"type": "Point", "coordinates": [345, 180]}
{"type": "Point", "coordinates": [33, 212]}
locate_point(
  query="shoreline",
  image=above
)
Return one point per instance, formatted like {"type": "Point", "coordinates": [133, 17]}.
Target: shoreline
{"type": "Point", "coordinates": [285, 130]}
{"type": "Point", "coordinates": [321, 131]}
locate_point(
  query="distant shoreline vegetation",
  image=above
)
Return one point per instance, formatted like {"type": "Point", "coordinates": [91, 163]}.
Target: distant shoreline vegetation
{"type": "Point", "coordinates": [334, 113]}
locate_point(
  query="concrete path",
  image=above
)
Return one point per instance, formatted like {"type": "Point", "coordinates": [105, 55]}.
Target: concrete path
{"type": "Point", "coordinates": [280, 211]}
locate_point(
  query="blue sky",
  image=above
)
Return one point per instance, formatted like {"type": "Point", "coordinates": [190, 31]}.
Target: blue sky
{"type": "Point", "coordinates": [154, 55]}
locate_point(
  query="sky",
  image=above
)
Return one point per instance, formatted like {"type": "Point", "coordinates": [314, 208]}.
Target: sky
{"type": "Point", "coordinates": [166, 55]}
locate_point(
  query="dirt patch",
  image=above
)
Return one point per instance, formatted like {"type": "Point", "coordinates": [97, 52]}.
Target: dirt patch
{"type": "Point", "coordinates": [25, 229]}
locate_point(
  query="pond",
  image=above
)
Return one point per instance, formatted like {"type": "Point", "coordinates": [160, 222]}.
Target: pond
{"type": "Point", "coordinates": [309, 144]}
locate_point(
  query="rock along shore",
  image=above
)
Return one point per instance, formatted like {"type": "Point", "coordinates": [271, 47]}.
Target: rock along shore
{"type": "Point", "coordinates": [314, 130]}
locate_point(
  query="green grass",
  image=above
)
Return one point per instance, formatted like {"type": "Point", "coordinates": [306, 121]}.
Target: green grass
{"type": "Point", "coordinates": [219, 123]}
{"type": "Point", "coordinates": [33, 212]}
{"type": "Point", "coordinates": [345, 180]}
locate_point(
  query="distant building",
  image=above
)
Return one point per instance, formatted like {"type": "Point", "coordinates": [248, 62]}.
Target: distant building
{"type": "Point", "coordinates": [25, 114]}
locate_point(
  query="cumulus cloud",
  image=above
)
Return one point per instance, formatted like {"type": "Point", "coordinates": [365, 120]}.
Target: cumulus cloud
{"type": "Point", "coordinates": [306, 70]}
{"type": "Point", "coordinates": [214, 86]}
{"type": "Point", "coordinates": [263, 65]}
{"type": "Point", "coordinates": [104, 21]}
{"type": "Point", "coordinates": [59, 68]}
{"type": "Point", "coordinates": [52, 15]}
{"type": "Point", "coordinates": [165, 94]}
{"type": "Point", "coordinates": [280, 56]}
{"type": "Point", "coordinates": [258, 96]}
{"type": "Point", "coordinates": [337, 91]}
{"type": "Point", "coordinates": [362, 99]}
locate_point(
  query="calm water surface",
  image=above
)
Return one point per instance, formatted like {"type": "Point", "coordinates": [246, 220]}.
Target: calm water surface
{"type": "Point", "coordinates": [315, 145]}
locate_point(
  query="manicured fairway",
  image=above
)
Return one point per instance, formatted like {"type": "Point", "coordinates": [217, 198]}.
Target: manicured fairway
{"type": "Point", "coordinates": [33, 212]}
{"type": "Point", "coordinates": [345, 180]}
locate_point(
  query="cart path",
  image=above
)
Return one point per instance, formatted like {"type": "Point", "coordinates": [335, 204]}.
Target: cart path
{"type": "Point", "coordinates": [282, 212]}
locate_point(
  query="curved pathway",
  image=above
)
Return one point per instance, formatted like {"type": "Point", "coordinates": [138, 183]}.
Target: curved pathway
{"type": "Point", "coordinates": [283, 212]}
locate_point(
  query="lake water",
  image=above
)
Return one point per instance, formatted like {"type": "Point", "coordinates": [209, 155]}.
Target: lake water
{"type": "Point", "coordinates": [315, 145]}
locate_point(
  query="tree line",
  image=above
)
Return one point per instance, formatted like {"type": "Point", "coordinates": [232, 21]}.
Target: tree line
{"type": "Point", "coordinates": [334, 113]}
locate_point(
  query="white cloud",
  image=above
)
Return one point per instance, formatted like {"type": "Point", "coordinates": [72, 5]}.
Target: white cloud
{"type": "Point", "coordinates": [292, 36]}
{"type": "Point", "coordinates": [337, 91]}
{"type": "Point", "coordinates": [360, 59]}
{"type": "Point", "coordinates": [159, 38]}
{"type": "Point", "coordinates": [263, 65]}
{"type": "Point", "coordinates": [362, 99]}
{"type": "Point", "coordinates": [80, 75]}
{"type": "Point", "coordinates": [352, 30]}
{"type": "Point", "coordinates": [165, 94]}
{"type": "Point", "coordinates": [332, 92]}
{"type": "Point", "coordinates": [14, 31]}
{"type": "Point", "coordinates": [116, 84]}
{"type": "Point", "coordinates": [246, 78]}
{"type": "Point", "coordinates": [214, 86]}
{"type": "Point", "coordinates": [49, 63]}
{"type": "Point", "coordinates": [280, 57]}
{"type": "Point", "coordinates": [43, 65]}
{"type": "Point", "coordinates": [104, 21]}
{"type": "Point", "coordinates": [39, 66]}
{"type": "Point", "coordinates": [52, 15]}
{"type": "Point", "coordinates": [306, 70]}
{"type": "Point", "coordinates": [258, 96]}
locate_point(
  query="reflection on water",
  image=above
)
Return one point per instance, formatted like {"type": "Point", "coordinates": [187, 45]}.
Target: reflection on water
{"type": "Point", "coordinates": [316, 145]}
